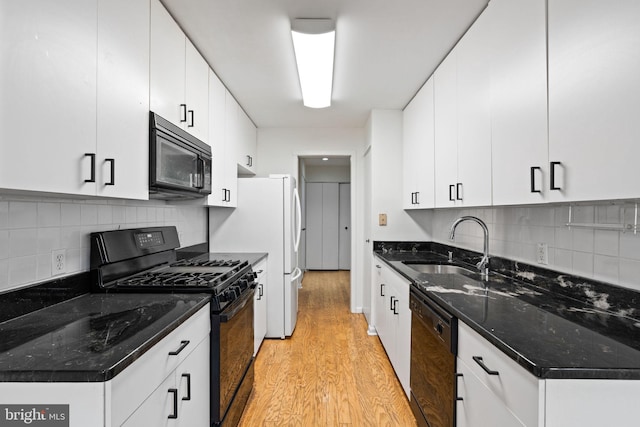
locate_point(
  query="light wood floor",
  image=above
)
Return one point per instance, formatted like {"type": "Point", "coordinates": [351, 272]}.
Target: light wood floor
{"type": "Point", "coordinates": [330, 372]}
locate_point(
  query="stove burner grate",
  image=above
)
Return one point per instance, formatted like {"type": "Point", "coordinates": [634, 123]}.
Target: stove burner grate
{"type": "Point", "coordinates": [206, 263]}
{"type": "Point", "coordinates": [160, 279]}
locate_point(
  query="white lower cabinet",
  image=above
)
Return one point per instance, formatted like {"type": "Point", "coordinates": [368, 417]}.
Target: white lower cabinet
{"type": "Point", "coordinates": [182, 399]}
{"type": "Point", "coordinates": [260, 306]}
{"type": "Point", "coordinates": [508, 388]}
{"type": "Point", "coordinates": [505, 394]}
{"type": "Point", "coordinates": [138, 396]}
{"type": "Point", "coordinates": [392, 319]}
{"type": "Point", "coordinates": [479, 407]}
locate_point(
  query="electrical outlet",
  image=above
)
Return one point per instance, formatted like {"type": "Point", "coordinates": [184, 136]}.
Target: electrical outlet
{"type": "Point", "coordinates": [58, 262]}
{"type": "Point", "coordinates": [542, 253]}
{"type": "Point", "coordinates": [382, 219]}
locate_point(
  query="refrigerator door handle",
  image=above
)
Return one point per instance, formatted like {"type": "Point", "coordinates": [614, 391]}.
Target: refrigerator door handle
{"type": "Point", "coordinates": [296, 274]}
{"type": "Point", "coordinates": [296, 243]}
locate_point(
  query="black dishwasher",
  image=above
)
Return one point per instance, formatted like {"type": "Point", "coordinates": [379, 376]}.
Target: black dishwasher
{"type": "Point", "coordinates": [434, 344]}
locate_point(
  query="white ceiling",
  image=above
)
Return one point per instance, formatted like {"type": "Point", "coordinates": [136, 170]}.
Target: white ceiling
{"type": "Point", "coordinates": [385, 50]}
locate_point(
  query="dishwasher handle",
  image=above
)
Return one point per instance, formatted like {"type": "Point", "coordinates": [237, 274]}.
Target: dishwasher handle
{"type": "Point", "coordinates": [440, 323]}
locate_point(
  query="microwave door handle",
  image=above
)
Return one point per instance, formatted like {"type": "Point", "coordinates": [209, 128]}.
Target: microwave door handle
{"type": "Point", "coordinates": [200, 173]}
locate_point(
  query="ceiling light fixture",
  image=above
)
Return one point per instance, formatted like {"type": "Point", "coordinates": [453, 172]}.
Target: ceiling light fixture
{"type": "Point", "coordinates": [314, 43]}
{"type": "Point", "coordinates": [324, 159]}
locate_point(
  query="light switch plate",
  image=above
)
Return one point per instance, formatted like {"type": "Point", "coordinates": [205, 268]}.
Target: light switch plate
{"type": "Point", "coordinates": [382, 219]}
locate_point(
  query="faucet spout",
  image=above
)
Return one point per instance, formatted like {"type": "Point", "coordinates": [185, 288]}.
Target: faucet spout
{"type": "Point", "coordinates": [483, 265]}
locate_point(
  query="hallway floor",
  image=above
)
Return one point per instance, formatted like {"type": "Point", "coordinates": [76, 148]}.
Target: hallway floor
{"type": "Point", "coordinates": [330, 372]}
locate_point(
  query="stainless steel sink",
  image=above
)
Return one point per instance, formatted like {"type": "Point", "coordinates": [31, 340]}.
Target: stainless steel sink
{"type": "Point", "coordinates": [440, 269]}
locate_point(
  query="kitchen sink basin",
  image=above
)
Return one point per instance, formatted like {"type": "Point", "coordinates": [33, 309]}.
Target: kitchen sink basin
{"type": "Point", "coordinates": [440, 269]}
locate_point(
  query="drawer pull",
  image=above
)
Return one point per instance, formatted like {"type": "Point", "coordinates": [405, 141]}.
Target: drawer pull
{"type": "Point", "coordinates": [183, 344]}
{"type": "Point", "coordinates": [188, 377]}
{"type": "Point", "coordinates": [480, 362]}
{"type": "Point", "coordinates": [458, 398]}
{"type": "Point", "coordinates": [174, 391]}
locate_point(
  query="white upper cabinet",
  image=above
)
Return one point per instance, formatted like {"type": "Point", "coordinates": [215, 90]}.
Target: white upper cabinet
{"type": "Point", "coordinates": [417, 150]}
{"type": "Point", "coordinates": [231, 147]}
{"type": "Point", "coordinates": [48, 95]}
{"type": "Point", "coordinates": [123, 99]}
{"type": "Point", "coordinates": [462, 122]}
{"type": "Point", "coordinates": [474, 116]}
{"type": "Point", "coordinates": [75, 97]}
{"type": "Point", "coordinates": [224, 175]}
{"type": "Point", "coordinates": [594, 98]}
{"type": "Point", "coordinates": [446, 131]}
{"type": "Point", "coordinates": [246, 143]}
{"type": "Point", "coordinates": [197, 93]}
{"type": "Point", "coordinates": [518, 101]}
{"type": "Point", "coordinates": [178, 75]}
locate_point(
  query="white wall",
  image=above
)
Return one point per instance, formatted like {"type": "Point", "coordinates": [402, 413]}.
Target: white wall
{"type": "Point", "coordinates": [278, 148]}
{"type": "Point", "coordinates": [278, 151]}
{"type": "Point", "coordinates": [385, 139]}
{"type": "Point", "coordinates": [328, 174]}
{"type": "Point", "coordinates": [32, 227]}
{"type": "Point", "coordinates": [610, 256]}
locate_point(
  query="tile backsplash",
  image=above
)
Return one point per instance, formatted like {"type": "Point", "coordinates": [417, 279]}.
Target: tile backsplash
{"type": "Point", "coordinates": [31, 228]}
{"type": "Point", "coordinates": [608, 255]}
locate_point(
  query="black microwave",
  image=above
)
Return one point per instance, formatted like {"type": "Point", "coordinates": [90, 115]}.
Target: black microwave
{"type": "Point", "coordinates": [179, 163]}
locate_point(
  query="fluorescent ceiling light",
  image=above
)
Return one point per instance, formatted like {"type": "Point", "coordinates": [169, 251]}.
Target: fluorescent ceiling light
{"type": "Point", "coordinates": [313, 43]}
{"type": "Point", "coordinates": [324, 159]}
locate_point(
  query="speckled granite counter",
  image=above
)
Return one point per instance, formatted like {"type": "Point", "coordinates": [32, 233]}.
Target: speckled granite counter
{"type": "Point", "coordinates": [91, 337]}
{"type": "Point", "coordinates": [554, 325]}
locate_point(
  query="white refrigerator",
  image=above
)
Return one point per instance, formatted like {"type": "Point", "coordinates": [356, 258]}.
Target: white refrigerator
{"type": "Point", "coordinates": [267, 219]}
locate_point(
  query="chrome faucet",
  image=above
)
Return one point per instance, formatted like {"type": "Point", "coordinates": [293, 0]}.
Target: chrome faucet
{"type": "Point", "coordinates": [483, 265]}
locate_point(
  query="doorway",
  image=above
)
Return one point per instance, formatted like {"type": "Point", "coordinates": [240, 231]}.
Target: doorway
{"type": "Point", "coordinates": [325, 184]}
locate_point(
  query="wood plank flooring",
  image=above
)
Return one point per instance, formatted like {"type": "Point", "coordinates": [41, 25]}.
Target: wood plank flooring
{"type": "Point", "coordinates": [330, 372]}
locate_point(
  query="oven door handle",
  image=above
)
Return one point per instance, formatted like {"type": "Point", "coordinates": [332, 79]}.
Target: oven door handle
{"type": "Point", "coordinates": [237, 306]}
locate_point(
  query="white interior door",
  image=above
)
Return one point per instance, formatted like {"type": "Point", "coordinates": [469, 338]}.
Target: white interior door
{"type": "Point", "coordinates": [330, 225]}
{"type": "Point", "coordinates": [344, 261]}
{"type": "Point", "coordinates": [314, 226]}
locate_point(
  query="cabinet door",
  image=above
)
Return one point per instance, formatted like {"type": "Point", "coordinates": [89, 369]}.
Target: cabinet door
{"type": "Point", "coordinates": [167, 66]}
{"type": "Point", "coordinates": [48, 95]}
{"type": "Point", "coordinates": [380, 294]}
{"type": "Point", "coordinates": [217, 94]}
{"type": "Point", "coordinates": [192, 382]}
{"type": "Point", "coordinates": [197, 93]}
{"type": "Point", "coordinates": [246, 144]}
{"type": "Point", "coordinates": [479, 407]}
{"type": "Point", "coordinates": [474, 118]}
{"type": "Point", "coordinates": [402, 331]}
{"type": "Point", "coordinates": [594, 98]}
{"type": "Point", "coordinates": [158, 407]}
{"type": "Point", "coordinates": [260, 306]}
{"type": "Point", "coordinates": [518, 101]}
{"type": "Point", "coordinates": [231, 149]}
{"type": "Point", "coordinates": [446, 131]}
{"type": "Point", "coordinates": [123, 99]}
{"type": "Point", "coordinates": [417, 150]}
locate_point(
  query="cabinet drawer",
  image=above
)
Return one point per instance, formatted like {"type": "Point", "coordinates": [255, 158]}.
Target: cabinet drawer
{"type": "Point", "coordinates": [512, 384]}
{"type": "Point", "coordinates": [132, 386]}
{"type": "Point", "coordinates": [479, 407]}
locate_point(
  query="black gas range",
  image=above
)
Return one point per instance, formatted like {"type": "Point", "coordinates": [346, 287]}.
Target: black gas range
{"type": "Point", "coordinates": [145, 260]}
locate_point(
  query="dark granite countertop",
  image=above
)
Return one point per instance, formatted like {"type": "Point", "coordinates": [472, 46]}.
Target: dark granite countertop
{"type": "Point", "coordinates": [89, 338]}
{"type": "Point", "coordinates": [60, 332]}
{"type": "Point", "coordinates": [554, 325]}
